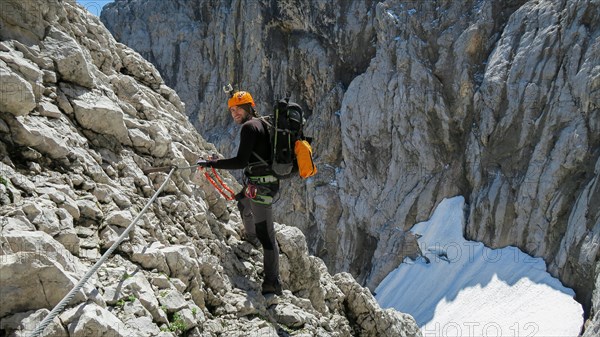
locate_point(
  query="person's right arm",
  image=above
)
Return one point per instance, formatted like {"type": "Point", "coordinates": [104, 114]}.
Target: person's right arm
{"type": "Point", "coordinates": [248, 137]}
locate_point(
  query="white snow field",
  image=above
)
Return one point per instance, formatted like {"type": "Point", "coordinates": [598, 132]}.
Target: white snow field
{"type": "Point", "coordinates": [470, 290]}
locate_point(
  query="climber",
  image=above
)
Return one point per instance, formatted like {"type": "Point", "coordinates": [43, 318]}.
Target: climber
{"type": "Point", "coordinates": [260, 185]}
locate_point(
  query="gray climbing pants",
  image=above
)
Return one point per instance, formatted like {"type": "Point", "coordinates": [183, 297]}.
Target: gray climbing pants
{"type": "Point", "coordinates": [258, 223]}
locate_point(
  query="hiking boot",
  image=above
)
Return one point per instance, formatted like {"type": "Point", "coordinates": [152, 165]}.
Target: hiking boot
{"type": "Point", "coordinates": [272, 288]}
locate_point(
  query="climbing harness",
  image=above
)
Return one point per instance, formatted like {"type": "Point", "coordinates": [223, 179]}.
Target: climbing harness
{"type": "Point", "coordinates": [219, 185]}
{"type": "Point", "coordinates": [63, 303]}
{"type": "Point", "coordinates": [257, 188]}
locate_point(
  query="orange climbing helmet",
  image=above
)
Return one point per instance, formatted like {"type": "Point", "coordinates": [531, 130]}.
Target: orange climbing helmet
{"type": "Point", "coordinates": [239, 98]}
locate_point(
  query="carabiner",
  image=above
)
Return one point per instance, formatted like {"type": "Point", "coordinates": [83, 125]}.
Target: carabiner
{"type": "Point", "coordinates": [250, 191]}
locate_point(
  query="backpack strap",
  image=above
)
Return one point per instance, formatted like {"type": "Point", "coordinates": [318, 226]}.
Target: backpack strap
{"type": "Point", "coordinates": [267, 125]}
{"type": "Point", "coordinates": [260, 158]}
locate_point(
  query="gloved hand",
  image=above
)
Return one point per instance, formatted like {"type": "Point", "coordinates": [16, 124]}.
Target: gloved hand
{"type": "Point", "coordinates": [205, 163]}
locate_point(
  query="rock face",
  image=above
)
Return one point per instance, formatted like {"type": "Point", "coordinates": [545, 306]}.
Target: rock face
{"type": "Point", "coordinates": [81, 116]}
{"type": "Point", "coordinates": [543, 195]}
{"type": "Point", "coordinates": [409, 102]}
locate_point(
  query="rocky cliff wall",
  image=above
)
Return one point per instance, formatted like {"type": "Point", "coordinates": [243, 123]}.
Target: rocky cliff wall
{"type": "Point", "coordinates": [80, 116]}
{"type": "Point", "coordinates": [533, 159]}
{"type": "Point", "coordinates": [410, 102]}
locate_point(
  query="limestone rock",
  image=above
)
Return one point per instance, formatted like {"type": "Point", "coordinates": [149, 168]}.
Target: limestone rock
{"type": "Point", "coordinates": [172, 300]}
{"type": "Point", "coordinates": [182, 262]}
{"type": "Point", "coordinates": [292, 316]}
{"type": "Point", "coordinates": [43, 217]}
{"type": "Point", "coordinates": [101, 115]}
{"type": "Point", "coordinates": [97, 321]}
{"type": "Point", "coordinates": [22, 324]}
{"type": "Point", "coordinates": [151, 257]}
{"type": "Point", "coordinates": [30, 280]}
{"type": "Point", "coordinates": [139, 288]}
{"type": "Point", "coordinates": [89, 209]}
{"type": "Point", "coordinates": [15, 224]}
{"type": "Point", "coordinates": [364, 310]}
{"type": "Point", "coordinates": [68, 56]}
{"type": "Point", "coordinates": [4, 196]}
{"type": "Point", "coordinates": [293, 247]}
{"type": "Point", "coordinates": [592, 325]}
{"type": "Point", "coordinates": [108, 236]}
{"type": "Point", "coordinates": [192, 317]}
{"type": "Point", "coordinates": [142, 71]}
{"type": "Point", "coordinates": [143, 325]}
{"type": "Point", "coordinates": [41, 243]}
{"type": "Point", "coordinates": [49, 110]}
{"type": "Point", "coordinates": [29, 69]}
{"type": "Point", "coordinates": [119, 218]}
{"type": "Point", "coordinates": [67, 203]}
{"type": "Point", "coordinates": [17, 93]}
{"type": "Point", "coordinates": [34, 132]}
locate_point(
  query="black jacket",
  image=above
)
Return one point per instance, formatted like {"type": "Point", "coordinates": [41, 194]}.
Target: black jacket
{"type": "Point", "coordinates": [254, 138]}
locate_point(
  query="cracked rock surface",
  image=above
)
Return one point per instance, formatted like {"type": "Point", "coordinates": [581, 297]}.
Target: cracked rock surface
{"type": "Point", "coordinates": [81, 116]}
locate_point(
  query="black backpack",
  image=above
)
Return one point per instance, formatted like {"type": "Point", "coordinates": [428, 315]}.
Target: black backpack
{"type": "Point", "coordinates": [285, 128]}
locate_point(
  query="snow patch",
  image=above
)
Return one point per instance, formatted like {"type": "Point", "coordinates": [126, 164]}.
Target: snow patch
{"type": "Point", "coordinates": [462, 288]}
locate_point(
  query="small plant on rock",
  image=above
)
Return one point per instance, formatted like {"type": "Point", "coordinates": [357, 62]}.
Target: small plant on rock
{"type": "Point", "coordinates": [130, 298]}
{"type": "Point", "coordinates": [178, 325]}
